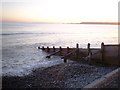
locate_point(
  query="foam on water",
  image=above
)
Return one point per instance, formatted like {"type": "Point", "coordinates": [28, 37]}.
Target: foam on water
{"type": "Point", "coordinates": [18, 62]}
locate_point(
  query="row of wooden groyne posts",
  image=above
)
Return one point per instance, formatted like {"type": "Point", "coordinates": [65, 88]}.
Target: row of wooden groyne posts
{"type": "Point", "coordinates": [107, 54]}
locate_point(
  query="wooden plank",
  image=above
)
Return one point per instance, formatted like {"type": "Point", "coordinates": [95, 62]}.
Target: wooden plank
{"type": "Point", "coordinates": [52, 54]}
{"type": "Point", "coordinates": [68, 54]}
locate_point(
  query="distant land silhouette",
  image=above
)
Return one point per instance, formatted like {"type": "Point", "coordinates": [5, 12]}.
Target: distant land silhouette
{"type": "Point", "coordinates": [107, 23]}
{"type": "Point", "coordinates": [100, 23]}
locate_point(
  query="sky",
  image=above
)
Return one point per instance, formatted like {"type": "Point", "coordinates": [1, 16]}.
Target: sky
{"type": "Point", "coordinates": [59, 11]}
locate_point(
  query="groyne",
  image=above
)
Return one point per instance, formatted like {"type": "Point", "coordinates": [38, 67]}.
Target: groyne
{"type": "Point", "coordinates": [107, 54]}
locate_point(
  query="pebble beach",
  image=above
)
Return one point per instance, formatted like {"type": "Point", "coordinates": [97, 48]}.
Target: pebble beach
{"type": "Point", "coordinates": [65, 75]}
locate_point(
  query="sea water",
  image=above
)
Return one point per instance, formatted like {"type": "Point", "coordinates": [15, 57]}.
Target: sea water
{"type": "Point", "coordinates": [20, 54]}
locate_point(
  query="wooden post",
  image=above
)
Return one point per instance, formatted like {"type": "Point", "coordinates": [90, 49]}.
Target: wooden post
{"type": "Point", "coordinates": [53, 48]}
{"type": "Point", "coordinates": [77, 45]}
{"type": "Point", "coordinates": [48, 49]}
{"type": "Point", "coordinates": [65, 59]}
{"type": "Point", "coordinates": [89, 53]}
{"type": "Point", "coordinates": [88, 47]}
{"type": "Point", "coordinates": [102, 50]}
{"type": "Point", "coordinates": [119, 54]}
{"type": "Point", "coordinates": [43, 48]}
{"type": "Point", "coordinates": [68, 49]}
{"type": "Point", "coordinates": [90, 58]}
{"type": "Point", "coordinates": [38, 47]}
{"type": "Point", "coordinates": [77, 50]}
{"type": "Point", "coordinates": [60, 48]}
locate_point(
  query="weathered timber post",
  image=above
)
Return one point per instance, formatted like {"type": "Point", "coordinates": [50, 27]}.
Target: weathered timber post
{"type": "Point", "coordinates": [77, 50]}
{"type": "Point", "coordinates": [77, 45]}
{"type": "Point", "coordinates": [89, 53]}
{"type": "Point", "coordinates": [88, 47]}
{"type": "Point", "coordinates": [102, 51]}
{"type": "Point", "coordinates": [48, 49]}
{"type": "Point", "coordinates": [68, 49]}
{"type": "Point", "coordinates": [43, 48]}
{"type": "Point", "coordinates": [119, 54]}
{"type": "Point", "coordinates": [65, 59]}
{"type": "Point", "coordinates": [53, 48]}
{"type": "Point", "coordinates": [60, 48]}
{"type": "Point", "coordinates": [38, 47]}
{"type": "Point", "coordinates": [90, 58]}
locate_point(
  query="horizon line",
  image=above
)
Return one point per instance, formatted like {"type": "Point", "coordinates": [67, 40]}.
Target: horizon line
{"type": "Point", "coordinates": [89, 22]}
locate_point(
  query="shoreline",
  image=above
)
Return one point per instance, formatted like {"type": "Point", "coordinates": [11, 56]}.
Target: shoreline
{"type": "Point", "coordinates": [65, 75]}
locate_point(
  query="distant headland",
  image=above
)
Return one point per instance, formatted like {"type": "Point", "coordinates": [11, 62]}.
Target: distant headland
{"type": "Point", "coordinates": [99, 23]}
{"type": "Point", "coordinates": [106, 23]}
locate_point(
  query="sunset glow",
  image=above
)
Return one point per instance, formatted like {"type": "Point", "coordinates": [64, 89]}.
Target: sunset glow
{"type": "Point", "coordinates": [63, 11]}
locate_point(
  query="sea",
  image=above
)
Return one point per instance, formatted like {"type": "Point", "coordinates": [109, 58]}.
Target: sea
{"type": "Point", "coordinates": [20, 41]}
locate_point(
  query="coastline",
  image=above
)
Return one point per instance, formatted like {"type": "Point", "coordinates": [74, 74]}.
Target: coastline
{"type": "Point", "coordinates": [65, 75]}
